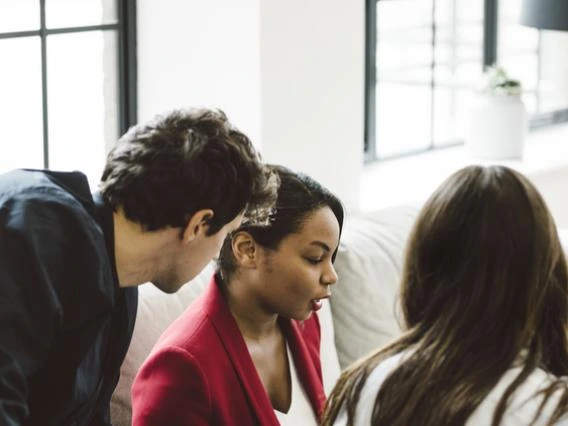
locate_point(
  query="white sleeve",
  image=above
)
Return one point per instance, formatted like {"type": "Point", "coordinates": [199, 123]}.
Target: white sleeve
{"type": "Point", "coordinates": [366, 403]}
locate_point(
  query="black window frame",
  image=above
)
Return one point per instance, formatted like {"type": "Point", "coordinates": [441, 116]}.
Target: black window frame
{"type": "Point", "coordinates": [490, 56]}
{"type": "Point", "coordinates": [127, 65]}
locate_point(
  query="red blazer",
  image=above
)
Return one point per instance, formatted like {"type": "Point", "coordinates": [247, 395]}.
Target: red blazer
{"type": "Point", "coordinates": [200, 371]}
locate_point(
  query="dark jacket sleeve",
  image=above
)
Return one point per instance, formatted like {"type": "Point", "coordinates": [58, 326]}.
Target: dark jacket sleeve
{"type": "Point", "coordinates": [28, 314]}
{"type": "Point", "coordinates": [102, 417]}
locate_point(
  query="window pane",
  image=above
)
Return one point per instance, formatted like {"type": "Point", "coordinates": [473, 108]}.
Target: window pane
{"type": "Point", "coordinates": [404, 74]}
{"type": "Point", "coordinates": [20, 104]}
{"type": "Point", "coordinates": [457, 67]}
{"type": "Point", "coordinates": [83, 100]}
{"type": "Point", "coordinates": [19, 15]}
{"type": "Point", "coordinates": [74, 13]}
{"type": "Point", "coordinates": [452, 107]}
{"type": "Point", "coordinates": [403, 118]}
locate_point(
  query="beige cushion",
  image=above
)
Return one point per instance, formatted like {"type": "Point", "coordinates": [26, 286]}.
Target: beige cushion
{"type": "Point", "coordinates": [369, 264]}
{"type": "Point", "coordinates": [156, 310]}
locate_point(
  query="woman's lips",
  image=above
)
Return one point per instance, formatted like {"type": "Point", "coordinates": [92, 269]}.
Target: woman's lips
{"type": "Point", "coordinates": [318, 303]}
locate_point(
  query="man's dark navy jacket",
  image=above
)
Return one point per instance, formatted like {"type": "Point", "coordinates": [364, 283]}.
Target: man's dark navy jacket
{"type": "Point", "coordinates": [65, 325]}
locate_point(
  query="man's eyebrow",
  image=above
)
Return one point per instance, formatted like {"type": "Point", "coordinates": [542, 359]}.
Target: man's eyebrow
{"type": "Point", "coordinates": [321, 244]}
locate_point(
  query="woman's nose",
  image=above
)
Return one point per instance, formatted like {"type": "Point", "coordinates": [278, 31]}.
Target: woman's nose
{"type": "Point", "coordinates": [329, 276]}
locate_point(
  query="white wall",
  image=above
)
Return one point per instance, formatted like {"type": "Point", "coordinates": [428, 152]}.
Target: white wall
{"type": "Point", "coordinates": [288, 73]}
{"type": "Point", "coordinates": [312, 71]}
{"type": "Point", "coordinates": [200, 53]}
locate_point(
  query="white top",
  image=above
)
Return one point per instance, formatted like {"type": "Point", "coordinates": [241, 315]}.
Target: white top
{"type": "Point", "coordinates": [522, 408]}
{"type": "Point", "coordinates": [301, 412]}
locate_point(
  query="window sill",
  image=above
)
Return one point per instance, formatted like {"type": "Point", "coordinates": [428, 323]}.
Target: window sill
{"type": "Point", "coordinates": [410, 180]}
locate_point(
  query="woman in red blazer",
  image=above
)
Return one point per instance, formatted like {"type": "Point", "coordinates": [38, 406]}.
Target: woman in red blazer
{"type": "Point", "coordinates": [247, 351]}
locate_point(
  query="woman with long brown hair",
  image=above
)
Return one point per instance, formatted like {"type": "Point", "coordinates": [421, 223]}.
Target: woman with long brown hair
{"type": "Point", "coordinates": [484, 298]}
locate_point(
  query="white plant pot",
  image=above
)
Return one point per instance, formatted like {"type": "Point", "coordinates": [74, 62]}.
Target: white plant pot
{"type": "Point", "coordinates": [497, 127]}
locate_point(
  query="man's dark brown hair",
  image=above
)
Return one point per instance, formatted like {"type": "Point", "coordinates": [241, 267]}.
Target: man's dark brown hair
{"type": "Point", "coordinates": [162, 172]}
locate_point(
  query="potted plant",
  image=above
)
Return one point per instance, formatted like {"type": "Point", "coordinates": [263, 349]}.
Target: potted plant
{"type": "Point", "coordinates": [498, 82]}
{"type": "Point", "coordinates": [498, 118]}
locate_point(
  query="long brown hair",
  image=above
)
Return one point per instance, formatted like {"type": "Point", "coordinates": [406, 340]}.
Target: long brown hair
{"type": "Point", "coordinates": [484, 279]}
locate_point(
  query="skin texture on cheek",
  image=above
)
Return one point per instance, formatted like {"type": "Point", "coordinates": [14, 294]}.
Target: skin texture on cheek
{"type": "Point", "coordinates": [298, 272]}
{"type": "Point", "coordinates": [290, 284]}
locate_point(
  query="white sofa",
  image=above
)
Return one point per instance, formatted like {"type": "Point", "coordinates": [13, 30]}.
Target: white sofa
{"type": "Point", "coordinates": [362, 314]}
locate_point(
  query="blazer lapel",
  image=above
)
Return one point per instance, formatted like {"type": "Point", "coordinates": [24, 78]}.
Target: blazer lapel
{"type": "Point", "coordinates": [304, 362]}
{"type": "Point", "coordinates": [238, 353]}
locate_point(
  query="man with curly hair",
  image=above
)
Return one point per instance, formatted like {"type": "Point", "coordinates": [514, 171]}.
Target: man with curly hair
{"type": "Point", "coordinates": [71, 261]}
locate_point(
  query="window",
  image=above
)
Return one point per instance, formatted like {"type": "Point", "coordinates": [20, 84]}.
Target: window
{"type": "Point", "coordinates": [426, 57]}
{"type": "Point", "coordinates": [67, 82]}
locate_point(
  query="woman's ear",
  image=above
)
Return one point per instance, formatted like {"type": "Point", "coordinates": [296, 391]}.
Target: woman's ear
{"type": "Point", "coordinates": [197, 225]}
{"type": "Point", "coordinates": [244, 249]}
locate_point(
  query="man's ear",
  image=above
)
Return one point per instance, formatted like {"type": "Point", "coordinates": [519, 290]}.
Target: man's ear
{"type": "Point", "coordinates": [244, 249]}
{"type": "Point", "coordinates": [197, 225]}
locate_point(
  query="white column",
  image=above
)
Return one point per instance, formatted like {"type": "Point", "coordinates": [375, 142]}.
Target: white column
{"type": "Point", "coordinates": [312, 73]}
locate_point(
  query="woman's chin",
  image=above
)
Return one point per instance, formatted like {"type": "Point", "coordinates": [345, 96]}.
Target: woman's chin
{"type": "Point", "coordinates": [306, 315]}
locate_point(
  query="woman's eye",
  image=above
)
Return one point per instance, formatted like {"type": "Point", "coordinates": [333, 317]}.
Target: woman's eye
{"type": "Point", "coordinates": [313, 261]}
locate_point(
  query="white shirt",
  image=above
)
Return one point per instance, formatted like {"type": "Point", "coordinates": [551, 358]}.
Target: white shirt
{"type": "Point", "coordinates": [301, 412]}
{"type": "Point", "coordinates": [522, 407]}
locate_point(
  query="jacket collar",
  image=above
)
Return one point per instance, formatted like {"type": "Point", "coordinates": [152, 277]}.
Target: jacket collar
{"type": "Point", "coordinates": [235, 346]}
{"type": "Point", "coordinates": [309, 376]}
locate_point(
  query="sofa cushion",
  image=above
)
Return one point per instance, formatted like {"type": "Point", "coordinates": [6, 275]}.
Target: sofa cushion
{"type": "Point", "coordinates": [156, 310]}
{"type": "Point", "coordinates": [368, 264]}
